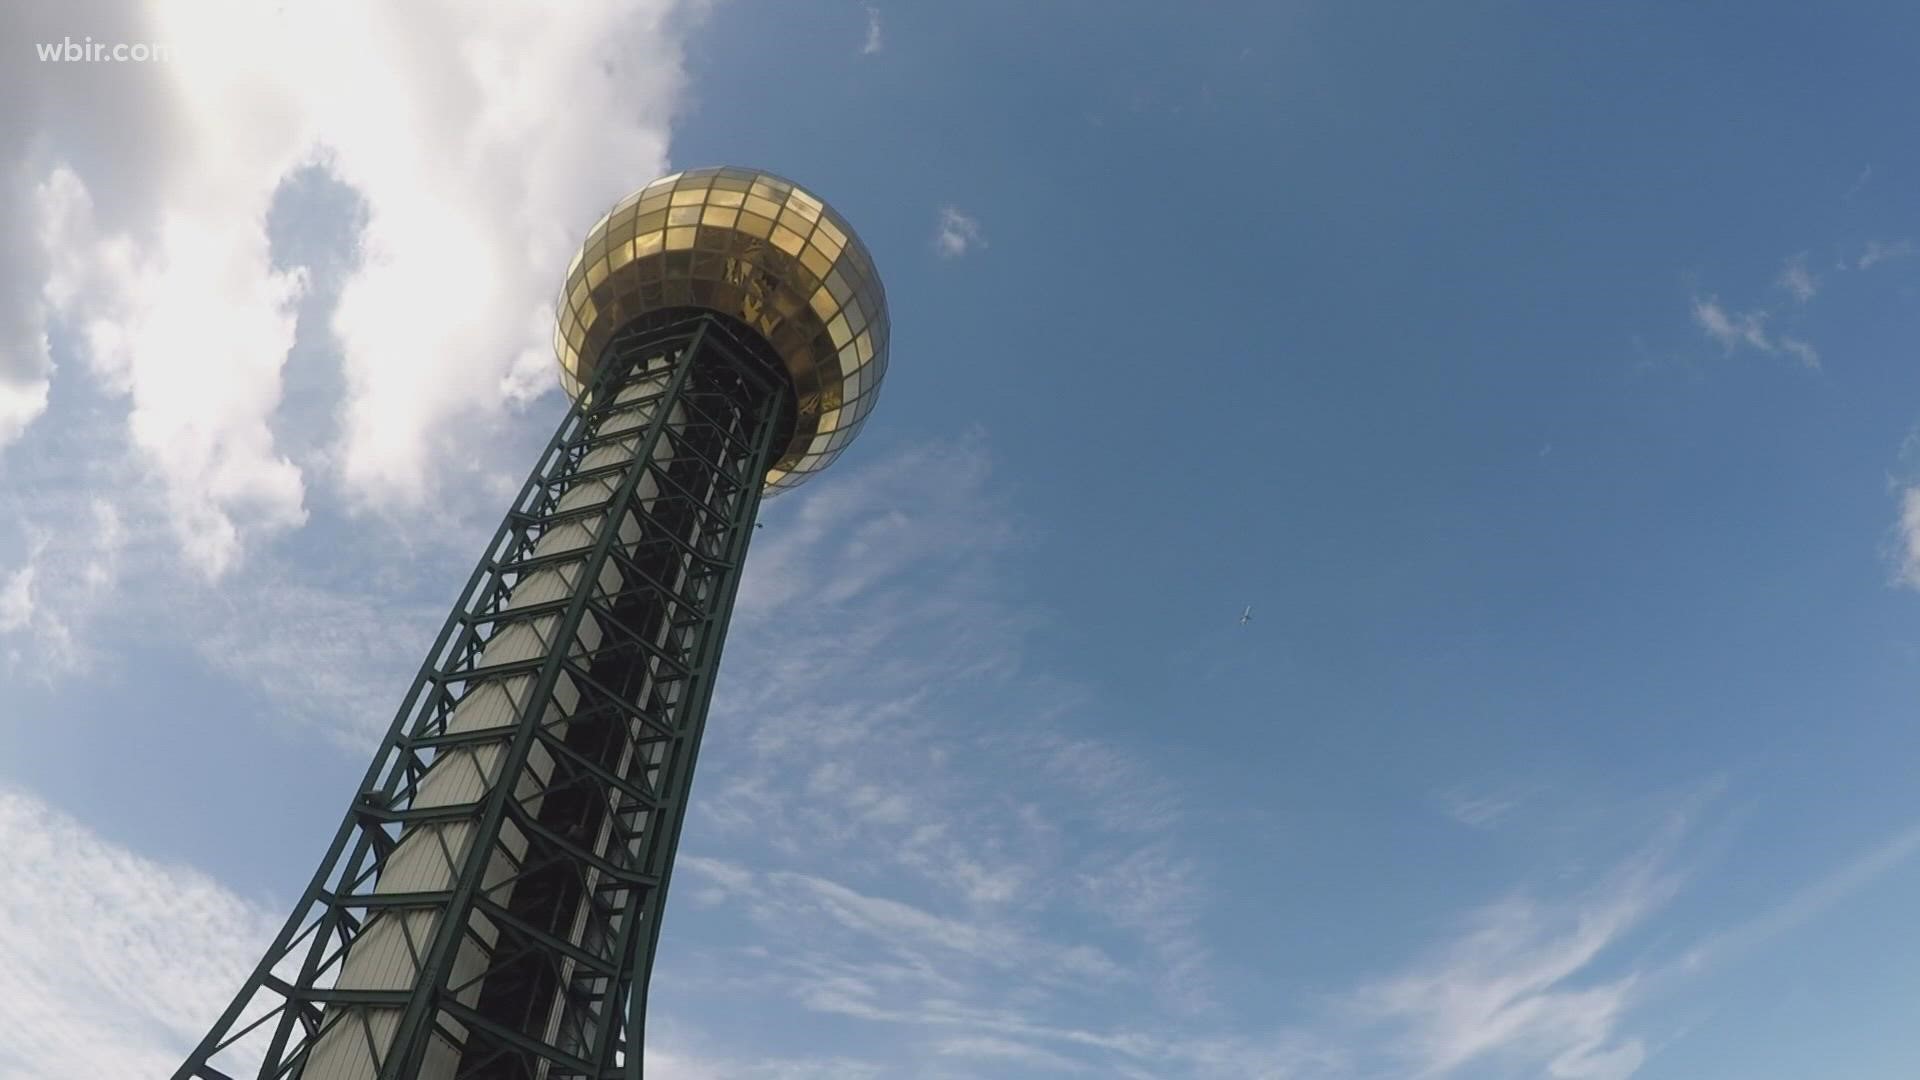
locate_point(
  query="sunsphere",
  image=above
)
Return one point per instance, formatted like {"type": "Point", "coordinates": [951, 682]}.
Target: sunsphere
{"type": "Point", "coordinates": [757, 248]}
{"type": "Point", "coordinates": [490, 905]}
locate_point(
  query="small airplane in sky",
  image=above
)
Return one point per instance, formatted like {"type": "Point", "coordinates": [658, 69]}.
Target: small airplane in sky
{"type": "Point", "coordinates": [1247, 615]}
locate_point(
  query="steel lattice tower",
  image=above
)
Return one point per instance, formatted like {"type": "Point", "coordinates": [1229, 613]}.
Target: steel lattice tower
{"type": "Point", "coordinates": [490, 906]}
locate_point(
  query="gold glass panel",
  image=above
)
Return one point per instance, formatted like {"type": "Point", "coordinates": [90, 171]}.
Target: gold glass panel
{"type": "Point", "coordinates": [786, 240]}
{"type": "Point", "coordinates": [793, 219]}
{"type": "Point", "coordinates": [832, 232]}
{"type": "Point", "coordinates": [837, 284]}
{"type": "Point", "coordinates": [689, 196]}
{"type": "Point", "coordinates": [680, 239]}
{"type": "Point", "coordinates": [714, 215]}
{"type": "Point", "coordinates": [684, 215]}
{"type": "Point", "coordinates": [804, 205]}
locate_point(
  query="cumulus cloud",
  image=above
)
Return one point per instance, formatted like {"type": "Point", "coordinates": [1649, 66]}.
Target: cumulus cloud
{"type": "Point", "coordinates": [480, 143]}
{"type": "Point", "coordinates": [23, 386]}
{"type": "Point", "coordinates": [957, 234]}
{"type": "Point", "coordinates": [193, 330]}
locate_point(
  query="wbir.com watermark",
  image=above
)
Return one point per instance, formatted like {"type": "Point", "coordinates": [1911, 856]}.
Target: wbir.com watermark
{"type": "Point", "coordinates": [89, 51]}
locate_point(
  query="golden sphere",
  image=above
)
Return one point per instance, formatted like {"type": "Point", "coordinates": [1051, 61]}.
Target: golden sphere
{"type": "Point", "coordinates": [759, 249]}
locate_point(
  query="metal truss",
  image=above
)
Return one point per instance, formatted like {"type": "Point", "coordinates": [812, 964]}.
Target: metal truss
{"type": "Point", "coordinates": [490, 906]}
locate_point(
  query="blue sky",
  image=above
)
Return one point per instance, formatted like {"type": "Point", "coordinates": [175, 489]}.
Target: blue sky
{"type": "Point", "coordinates": [1542, 375]}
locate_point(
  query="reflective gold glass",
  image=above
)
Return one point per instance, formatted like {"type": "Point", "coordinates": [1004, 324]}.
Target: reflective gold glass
{"type": "Point", "coordinates": [766, 253]}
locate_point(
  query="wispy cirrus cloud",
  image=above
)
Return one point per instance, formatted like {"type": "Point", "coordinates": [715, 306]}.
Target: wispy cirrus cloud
{"type": "Point", "coordinates": [1483, 810]}
{"type": "Point", "coordinates": [1796, 280]}
{"type": "Point", "coordinates": [1875, 252]}
{"type": "Point", "coordinates": [1736, 331]}
{"type": "Point", "coordinates": [1804, 904]}
{"type": "Point", "coordinates": [944, 856]}
{"type": "Point", "coordinates": [68, 569]}
{"type": "Point", "coordinates": [1860, 182]}
{"type": "Point", "coordinates": [917, 826]}
{"type": "Point", "coordinates": [911, 830]}
{"type": "Point", "coordinates": [115, 964]}
{"type": "Point", "coordinates": [1751, 329]}
{"type": "Point", "coordinates": [111, 964]}
{"type": "Point", "coordinates": [1517, 985]}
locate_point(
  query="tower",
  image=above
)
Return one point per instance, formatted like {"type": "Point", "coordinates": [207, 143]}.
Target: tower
{"type": "Point", "coordinates": [490, 905]}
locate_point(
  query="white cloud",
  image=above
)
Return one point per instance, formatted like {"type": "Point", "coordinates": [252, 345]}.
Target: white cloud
{"type": "Point", "coordinates": [72, 564]}
{"type": "Point", "coordinates": [1908, 573]}
{"type": "Point", "coordinates": [873, 43]}
{"type": "Point", "coordinates": [1797, 280]}
{"type": "Point", "coordinates": [192, 328]}
{"type": "Point", "coordinates": [1879, 251]}
{"type": "Point", "coordinates": [481, 143]}
{"type": "Point", "coordinates": [1482, 811]}
{"type": "Point", "coordinates": [1859, 182]}
{"type": "Point", "coordinates": [1734, 331]}
{"type": "Point", "coordinates": [331, 657]}
{"type": "Point", "coordinates": [16, 599]}
{"type": "Point", "coordinates": [1801, 351]}
{"type": "Point", "coordinates": [1808, 902]}
{"type": "Point", "coordinates": [996, 1049]}
{"type": "Point", "coordinates": [922, 832]}
{"type": "Point", "coordinates": [111, 964]}
{"type": "Point", "coordinates": [957, 234]}
{"type": "Point", "coordinates": [23, 398]}
{"type": "Point", "coordinates": [1517, 985]}
{"type": "Point", "coordinates": [1731, 330]}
